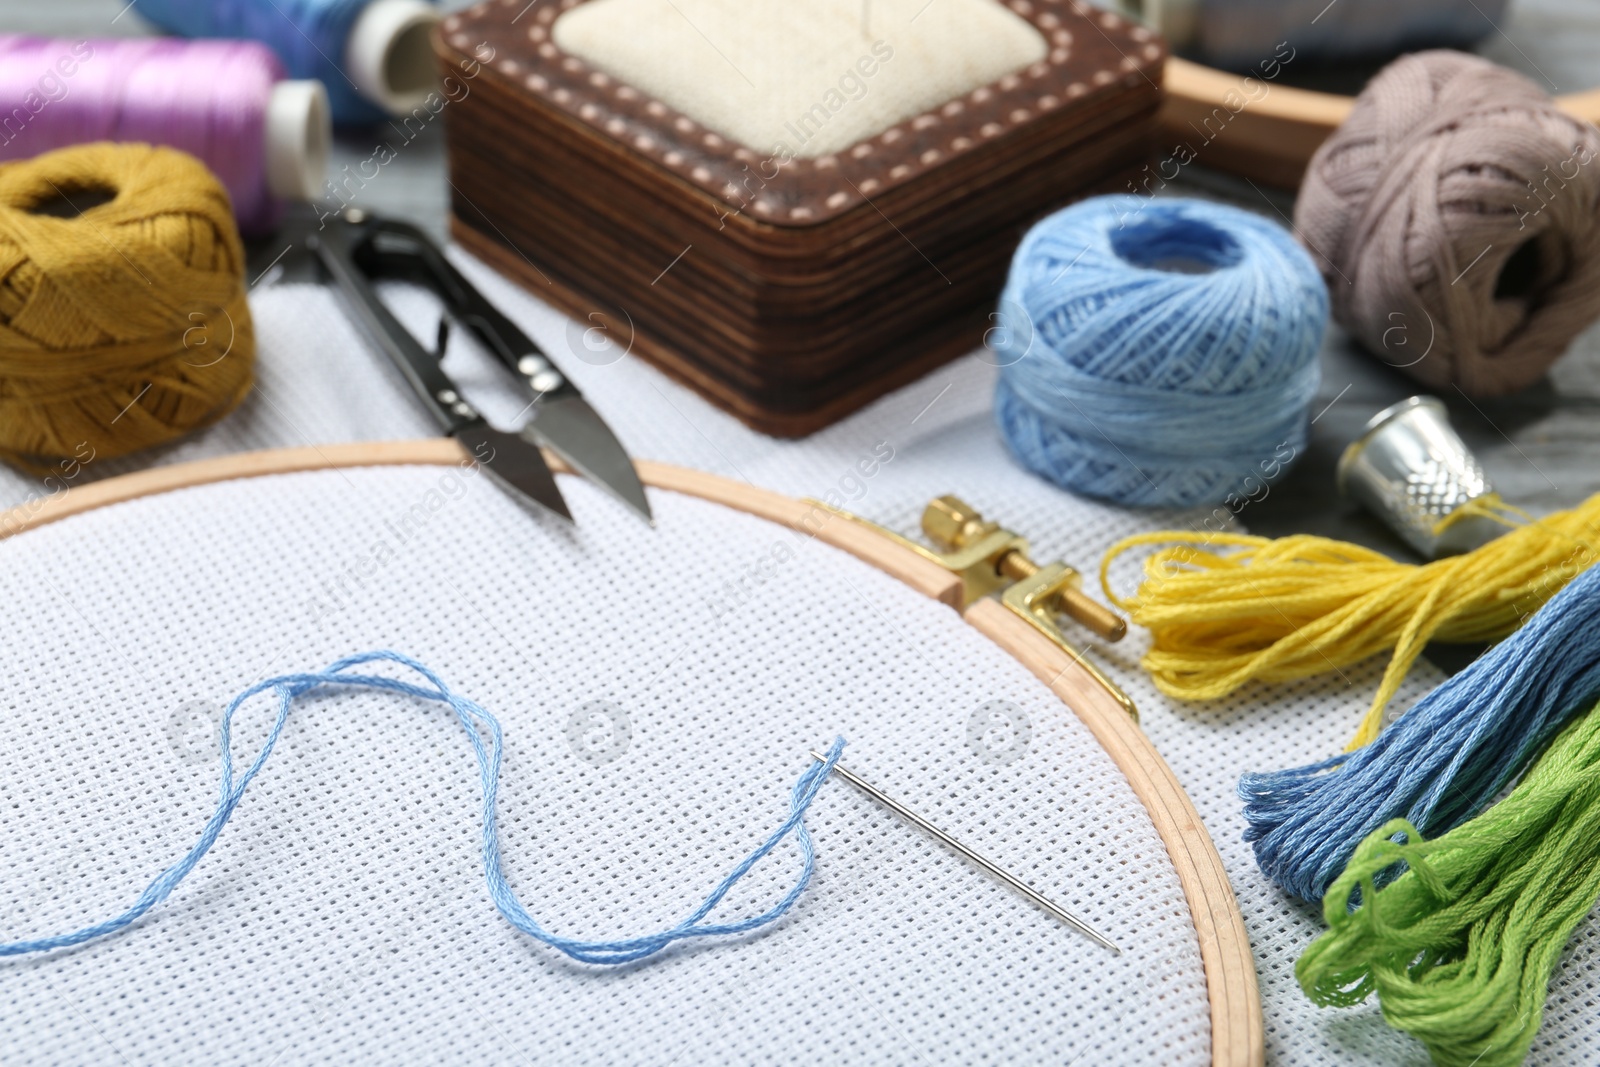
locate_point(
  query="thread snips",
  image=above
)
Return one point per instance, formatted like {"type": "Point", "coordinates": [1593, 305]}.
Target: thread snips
{"type": "Point", "coordinates": [356, 249]}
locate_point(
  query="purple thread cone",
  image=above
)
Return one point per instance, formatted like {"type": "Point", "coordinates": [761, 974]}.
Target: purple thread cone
{"type": "Point", "coordinates": [207, 98]}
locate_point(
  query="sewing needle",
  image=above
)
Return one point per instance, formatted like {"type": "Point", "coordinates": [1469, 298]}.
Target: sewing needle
{"type": "Point", "coordinates": [982, 861]}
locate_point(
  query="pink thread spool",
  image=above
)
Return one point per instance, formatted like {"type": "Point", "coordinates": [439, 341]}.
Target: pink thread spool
{"type": "Point", "coordinates": [224, 102]}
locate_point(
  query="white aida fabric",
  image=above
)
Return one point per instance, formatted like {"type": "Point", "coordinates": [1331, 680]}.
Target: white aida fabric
{"type": "Point", "coordinates": [319, 383]}
{"type": "Point", "coordinates": [801, 79]}
{"type": "Point", "coordinates": [652, 735]}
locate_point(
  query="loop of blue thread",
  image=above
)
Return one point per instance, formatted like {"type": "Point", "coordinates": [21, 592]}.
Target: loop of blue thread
{"type": "Point", "coordinates": [1441, 762]}
{"type": "Point", "coordinates": [473, 720]}
{"type": "Point", "coordinates": [1149, 386]}
{"type": "Point", "coordinates": [309, 36]}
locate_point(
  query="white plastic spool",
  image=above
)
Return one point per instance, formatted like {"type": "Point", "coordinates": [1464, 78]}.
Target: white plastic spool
{"type": "Point", "coordinates": [298, 133]}
{"type": "Point", "coordinates": [389, 56]}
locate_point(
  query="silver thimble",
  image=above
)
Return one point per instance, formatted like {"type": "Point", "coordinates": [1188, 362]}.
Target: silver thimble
{"type": "Point", "coordinates": [1411, 469]}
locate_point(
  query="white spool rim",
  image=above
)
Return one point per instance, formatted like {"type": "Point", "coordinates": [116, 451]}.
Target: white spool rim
{"type": "Point", "coordinates": [298, 133]}
{"type": "Point", "coordinates": [390, 54]}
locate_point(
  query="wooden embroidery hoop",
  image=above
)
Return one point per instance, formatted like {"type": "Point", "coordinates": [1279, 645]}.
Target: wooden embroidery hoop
{"type": "Point", "coordinates": [1237, 1035]}
{"type": "Point", "coordinates": [1271, 139]}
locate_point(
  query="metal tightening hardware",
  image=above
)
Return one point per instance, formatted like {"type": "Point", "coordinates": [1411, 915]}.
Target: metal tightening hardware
{"type": "Point", "coordinates": [950, 521]}
{"type": "Point", "coordinates": [991, 559]}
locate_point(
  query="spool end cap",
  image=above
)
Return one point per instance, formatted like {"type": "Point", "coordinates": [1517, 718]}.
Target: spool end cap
{"type": "Point", "coordinates": [298, 133]}
{"type": "Point", "coordinates": [390, 54]}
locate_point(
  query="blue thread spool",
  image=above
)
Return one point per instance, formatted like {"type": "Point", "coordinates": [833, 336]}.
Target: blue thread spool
{"type": "Point", "coordinates": [1158, 352]}
{"type": "Point", "coordinates": [374, 56]}
{"type": "Point", "coordinates": [1243, 33]}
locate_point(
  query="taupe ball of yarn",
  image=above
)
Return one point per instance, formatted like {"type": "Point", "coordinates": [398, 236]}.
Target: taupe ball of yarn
{"type": "Point", "coordinates": [1453, 216]}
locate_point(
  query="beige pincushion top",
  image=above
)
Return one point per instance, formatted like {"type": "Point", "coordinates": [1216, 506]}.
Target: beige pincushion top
{"type": "Point", "coordinates": [800, 80]}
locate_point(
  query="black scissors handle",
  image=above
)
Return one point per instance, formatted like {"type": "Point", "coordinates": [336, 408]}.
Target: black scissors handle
{"type": "Point", "coordinates": [361, 247]}
{"type": "Point", "coordinates": [515, 462]}
{"type": "Point", "coordinates": [337, 253]}
{"type": "Point", "coordinates": [388, 248]}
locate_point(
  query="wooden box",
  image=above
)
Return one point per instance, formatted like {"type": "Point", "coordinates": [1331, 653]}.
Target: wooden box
{"type": "Point", "coordinates": [788, 291]}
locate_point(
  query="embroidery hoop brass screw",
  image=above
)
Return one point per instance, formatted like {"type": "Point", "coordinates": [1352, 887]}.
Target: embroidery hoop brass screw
{"type": "Point", "coordinates": [951, 522]}
{"type": "Point", "coordinates": [989, 559]}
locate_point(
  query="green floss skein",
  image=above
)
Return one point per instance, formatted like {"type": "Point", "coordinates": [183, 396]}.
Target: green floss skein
{"type": "Point", "coordinates": [1460, 948]}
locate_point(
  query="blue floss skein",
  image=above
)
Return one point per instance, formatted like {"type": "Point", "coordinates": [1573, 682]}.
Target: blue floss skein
{"type": "Point", "coordinates": [474, 720]}
{"type": "Point", "coordinates": [1158, 352]}
{"type": "Point", "coordinates": [309, 36]}
{"type": "Point", "coordinates": [1441, 762]}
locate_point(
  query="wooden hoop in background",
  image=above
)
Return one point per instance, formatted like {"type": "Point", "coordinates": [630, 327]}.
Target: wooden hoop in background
{"type": "Point", "coordinates": [1271, 139]}
{"type": "Point", "coordinates": [1237, 1035]}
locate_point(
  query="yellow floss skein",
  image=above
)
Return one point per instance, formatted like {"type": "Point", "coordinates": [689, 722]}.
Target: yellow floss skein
{"type": "Point", "coordinates": [124, 326]}
{"type": "Point", "coordinates": [1277, 610]}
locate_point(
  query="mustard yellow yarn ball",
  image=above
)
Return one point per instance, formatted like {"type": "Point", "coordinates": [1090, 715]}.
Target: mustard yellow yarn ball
{"type": "Point", "coordinates": [123, 321]}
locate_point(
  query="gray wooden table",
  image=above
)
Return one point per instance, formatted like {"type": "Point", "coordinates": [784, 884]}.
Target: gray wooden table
{"type": "Point", "coordinates": [1541, 447]}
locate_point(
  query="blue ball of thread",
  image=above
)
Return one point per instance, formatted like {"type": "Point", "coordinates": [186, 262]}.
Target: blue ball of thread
{"type": "Point", "coordinates": [1158, 352]}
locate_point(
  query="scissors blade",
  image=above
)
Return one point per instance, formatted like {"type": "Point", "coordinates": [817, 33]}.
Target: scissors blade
{"type": "Point", "coordinates": [515, 464]}
{"type": "Point", "coordinates": [570, 427]}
